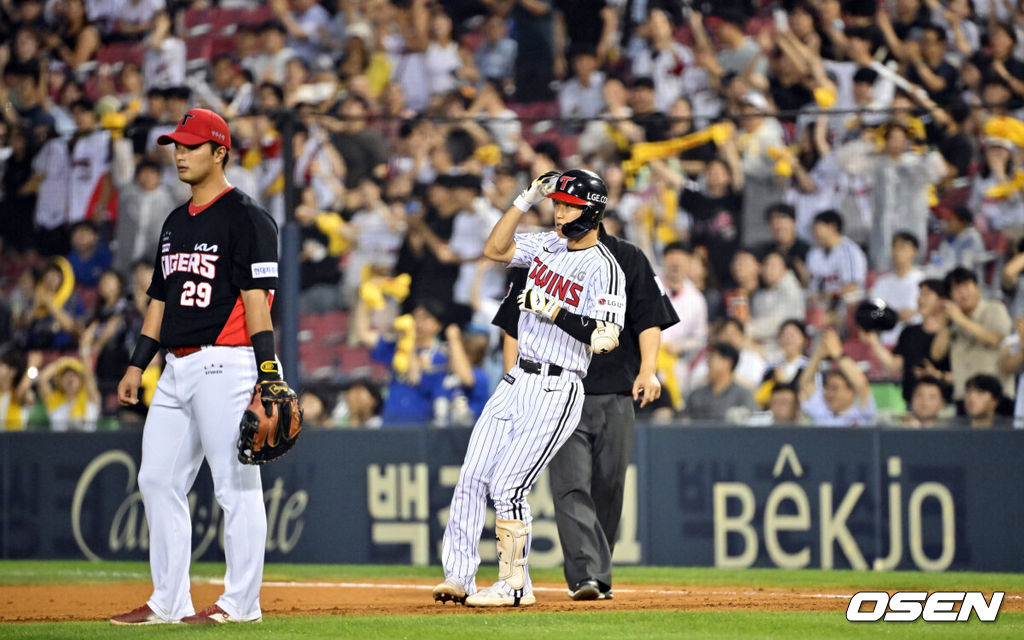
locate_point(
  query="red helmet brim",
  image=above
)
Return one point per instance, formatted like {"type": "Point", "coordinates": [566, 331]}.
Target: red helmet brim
{"type": "Point", "coordinates": [568, 199]}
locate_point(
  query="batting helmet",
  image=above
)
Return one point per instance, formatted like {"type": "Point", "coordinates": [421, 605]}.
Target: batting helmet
{"type": "Point", "coordinates": [584, 189]}
{"type": "Point", "coordinates": [874, 315]}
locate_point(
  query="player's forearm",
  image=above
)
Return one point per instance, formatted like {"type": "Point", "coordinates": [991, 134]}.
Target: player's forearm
{"type": "Point", "coordinates": [650, 342]}
{"type": "Point", "coordinates": [500, 245]}
{"type": "Point", "coordinates": [257, 311]}
{"type": "Point", "coordinates": [154, 319]}
{"type": "Point", "coordinates": [261, 333]}
{"type": "Point", "coordinates": [579, 327]}
{"type": "Point", "coordinates": [148, 344]}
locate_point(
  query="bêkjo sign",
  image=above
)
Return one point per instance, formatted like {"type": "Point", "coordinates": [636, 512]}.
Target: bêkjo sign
{"type": "Point", "coordinates": [729, 497]}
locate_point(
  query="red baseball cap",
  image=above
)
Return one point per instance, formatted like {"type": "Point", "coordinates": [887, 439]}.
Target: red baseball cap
{"type": "Point", "coordinates": [199, 126]}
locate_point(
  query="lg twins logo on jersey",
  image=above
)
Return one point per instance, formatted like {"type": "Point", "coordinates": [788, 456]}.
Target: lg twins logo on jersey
{"type": "Point", "coordinates": [555, 284]}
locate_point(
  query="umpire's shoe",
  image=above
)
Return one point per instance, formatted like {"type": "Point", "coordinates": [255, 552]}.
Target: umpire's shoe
{"type": "Point", "coordinates": [586, 589]}
{"type": "Point", "coordinates": [450, 591]}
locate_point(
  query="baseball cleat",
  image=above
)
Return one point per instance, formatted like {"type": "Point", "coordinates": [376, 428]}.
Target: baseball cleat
{"type": "Point", "coordinates": [587, 589]}
{"type": "Point", "coordinates": [142, 615]}
{"type": "Point", "coordinates": [213, 614]}
{"type": "Point", "coordinates": [606, 595]}
{"type": "Point", "coordinates": [498, 595]}
{"type": "Point", "coordinates": [450, 591]}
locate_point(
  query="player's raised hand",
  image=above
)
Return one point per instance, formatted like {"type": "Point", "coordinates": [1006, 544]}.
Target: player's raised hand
{"type": "Point", "coordinates": [128, 388]}
{"type": "Point", "coordinates": [535, 302]}
{"type": "Point", "coordinates": [534, 194]}
{"type": "Point", "coordinates": [646, 389]}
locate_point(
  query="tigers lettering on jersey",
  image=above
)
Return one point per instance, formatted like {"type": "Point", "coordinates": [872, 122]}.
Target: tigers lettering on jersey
{"type": "Point", "coordinates": [555, 284]}
{"type": "Point", "coordinates": [200, 264]}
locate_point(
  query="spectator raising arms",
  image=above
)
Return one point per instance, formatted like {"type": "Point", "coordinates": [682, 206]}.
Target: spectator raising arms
{"type": "Point", "coordinates": [843, 397]}
{"type": "Point", "coordinates": [16, 395]}
{"type": "Point", "coordinates": [68, 389]}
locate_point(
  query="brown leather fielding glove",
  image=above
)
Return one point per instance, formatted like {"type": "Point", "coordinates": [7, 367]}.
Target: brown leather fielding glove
{"type": "Point", "coordinates": [271, 423]}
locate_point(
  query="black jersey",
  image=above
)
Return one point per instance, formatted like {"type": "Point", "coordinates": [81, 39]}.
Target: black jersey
{"type": "Point", "coordinates": [207, 256]}
{"type": "Point", "coordinates": [647, 306]}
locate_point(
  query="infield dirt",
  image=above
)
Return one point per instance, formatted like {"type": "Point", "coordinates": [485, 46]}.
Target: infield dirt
{"type": "Point", "coordinates": [82, 602]}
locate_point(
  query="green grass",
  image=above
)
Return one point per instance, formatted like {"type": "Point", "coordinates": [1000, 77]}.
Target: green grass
{"type": "Point", "coordinates": [559, 626]}
{"type": "Point", "coordinates": [65, 571]}
{"type": "Point", "coordinates": [612, 625]}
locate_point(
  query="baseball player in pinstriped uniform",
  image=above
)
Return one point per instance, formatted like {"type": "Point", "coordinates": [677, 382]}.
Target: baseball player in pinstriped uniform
{"type": "Point", "coordinates": [574, 304]}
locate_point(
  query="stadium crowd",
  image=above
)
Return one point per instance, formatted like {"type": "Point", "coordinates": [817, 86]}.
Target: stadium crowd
{"type": "Point", "coordinates": [778, 162]}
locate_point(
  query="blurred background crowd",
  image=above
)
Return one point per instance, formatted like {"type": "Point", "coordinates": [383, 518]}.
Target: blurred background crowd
{"type": "Point", "coordinates": [778, 162]}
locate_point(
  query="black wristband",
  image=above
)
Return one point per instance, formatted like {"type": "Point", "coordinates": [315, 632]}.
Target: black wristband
{"type": "Point", "coordinates": [577, 326]}
{"type": "Point", "coordinates": [145, 349]}
{"type": "Point", "coordinates": [266, 360]}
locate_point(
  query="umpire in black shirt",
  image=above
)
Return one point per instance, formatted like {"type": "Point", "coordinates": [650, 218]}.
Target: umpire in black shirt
{"type": "Point", "coordinates": [588, 473]}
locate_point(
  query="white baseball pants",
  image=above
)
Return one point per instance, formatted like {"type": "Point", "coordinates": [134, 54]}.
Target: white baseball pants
{"type": "Point", "coordinates": [520, 429]}
{"type": "Point", "coordinates": [195, 413]}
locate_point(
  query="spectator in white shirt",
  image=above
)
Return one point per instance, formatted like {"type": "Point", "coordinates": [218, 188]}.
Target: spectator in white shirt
{"type": "Point", "coordinates": [843, 397]}
{"type": "Point", "coordinates": [837, 267]}
{"type": "Point", "coordinates": [962, 245]}
{"type": "Point", "coordinates": [306, 23]}
{"type": "Point", "coordinates": [144, 203]}
{"type": "Point", "coordinates": [270, 65]}
{"type": "Point", "coordinates": [163, 64]}
{"type": "Point", "coordinates": [669, 63]}
{"type": "Point", "coordinates": [898, 288]}
{"type": "Point", "coordinates": [496, 56]}
{"type": "Point", "coordinates": [781, 297]}
{"type": "Point", "coordinates": [134, 18]}
{"type": "Point", "coordinates": [691, 333]}
{"type": "Point", "coordinates": [583, 96]}
{"type": "Point", "coordinates": [51, 179]}
{"type": "Point", "coordinates": [90, 160]}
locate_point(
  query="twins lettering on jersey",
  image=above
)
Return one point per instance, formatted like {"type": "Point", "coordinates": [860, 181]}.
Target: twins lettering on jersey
{"type": "Point", "coordinates": [554, 284]}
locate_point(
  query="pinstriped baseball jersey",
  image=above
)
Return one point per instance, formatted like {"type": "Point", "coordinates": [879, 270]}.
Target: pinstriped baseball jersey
{"type": "Point", "coordinates": [832, 269]}
{"type": "Point", "coordinates": [588, 282]}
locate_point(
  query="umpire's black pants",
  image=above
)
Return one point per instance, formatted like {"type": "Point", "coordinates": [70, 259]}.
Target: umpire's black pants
{"type": "Point", "coordinates": [588, 475]}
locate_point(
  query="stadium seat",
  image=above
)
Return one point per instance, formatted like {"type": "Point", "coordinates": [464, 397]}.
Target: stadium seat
{"type": "Point", "coordinates": [531, 112]}
{"type": "Point", "coordinates": [222, 44]}
{"type": "Point", "coordinates": [117, 53]}
{"type": "Point", "coordinates": [326, 326]}
{"type": "Point", "coordinates": [226, 21]}
{"type": "Point", "coordinates": [196, 21]}
{"type": "Point", "coordinates": [199, 48]}
{"type": "Point", "coordinates": [256, 17]}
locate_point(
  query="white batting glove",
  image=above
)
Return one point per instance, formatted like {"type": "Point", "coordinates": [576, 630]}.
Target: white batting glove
{"type": "Point", "coordinates": [534, 194]}
{"type": "Point", "coordinates": [535, 302]}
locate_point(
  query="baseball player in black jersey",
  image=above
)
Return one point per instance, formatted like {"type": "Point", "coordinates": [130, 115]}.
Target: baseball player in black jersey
{"type": "Point", "coordinates": [216, 271]}
{"type": "Point", "coordinates": [588, 473]}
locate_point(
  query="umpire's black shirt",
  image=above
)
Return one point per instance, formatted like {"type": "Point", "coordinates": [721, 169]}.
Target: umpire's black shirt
{"type": "Point", "coordinates": [647, 306]}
